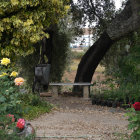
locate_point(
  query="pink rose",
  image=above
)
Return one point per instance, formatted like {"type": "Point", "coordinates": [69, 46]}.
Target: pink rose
{"type": "Point", "coordinates": [11, 116]}
{"type": "Point", "coordinates": [20, 123]}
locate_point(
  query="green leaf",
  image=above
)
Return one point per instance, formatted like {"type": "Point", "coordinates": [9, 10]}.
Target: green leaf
{"type": "Point", "coordinates": [2, 99]}
{"type": "Point", "coordinates": [138, 131]}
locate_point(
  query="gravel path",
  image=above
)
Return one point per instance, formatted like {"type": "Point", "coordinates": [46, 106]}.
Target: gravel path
{"type": "Point", "coordinates": [76, 119]}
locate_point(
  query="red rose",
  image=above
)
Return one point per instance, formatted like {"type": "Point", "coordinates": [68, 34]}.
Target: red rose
{"type": "Point", "coordinates": [11, 116]}
{"type": "Point", "coordinates": [137, 106]}
{"type": "Point", "coordinates": [20, 123]}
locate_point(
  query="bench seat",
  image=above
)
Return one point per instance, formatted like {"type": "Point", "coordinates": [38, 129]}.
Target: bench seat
{"type": "Point", "coordinates": [86, 88]}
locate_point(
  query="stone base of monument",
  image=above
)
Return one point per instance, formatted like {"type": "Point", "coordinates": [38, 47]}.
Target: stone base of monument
{"type": "Point", "coordinates": [28, 131]}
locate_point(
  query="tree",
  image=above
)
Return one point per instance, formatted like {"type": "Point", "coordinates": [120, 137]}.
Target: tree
{"type": "Point", "coordinates": [24, 23]}
{"type": "Point", "coordinates": [125, 22]}
{"type": "Point", "coordinates": [98, 13]}
{"type": "Point", "coordinates": [56, 48]}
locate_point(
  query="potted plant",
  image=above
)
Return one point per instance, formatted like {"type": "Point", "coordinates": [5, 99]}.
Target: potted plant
{"type": "Point", "coordinates": [114, 104]}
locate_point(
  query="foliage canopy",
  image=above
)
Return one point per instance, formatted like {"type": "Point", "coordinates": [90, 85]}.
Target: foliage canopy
{"type": "Point", "coordinates": [24, 23]}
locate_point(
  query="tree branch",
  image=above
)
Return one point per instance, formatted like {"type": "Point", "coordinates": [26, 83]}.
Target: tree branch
{"type": "Point", "coordinates": [94, 12]}
{"type": "Point", "coordinates": [127, 21]}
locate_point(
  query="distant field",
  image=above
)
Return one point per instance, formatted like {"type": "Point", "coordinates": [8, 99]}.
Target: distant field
{"type": "Point", "coordinates": [77, 50]}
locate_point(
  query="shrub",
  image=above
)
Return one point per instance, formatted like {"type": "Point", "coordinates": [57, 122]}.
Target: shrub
{"type": "Point", "coordinates": [9, 97]}
{"type": "Point", "coordinates": [13, 101]}
{"type": "Point", "coordinates": [8, 130]}
{"type": "Point", "coordinates": [122, 64]}
{"type": "Point", "coordinates": [34, 106]}
{"type": "Point", "coordinates": [134, 123]}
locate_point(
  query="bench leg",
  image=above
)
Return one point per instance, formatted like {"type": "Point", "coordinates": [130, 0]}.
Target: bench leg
{"type": "Point", "coordinates": [55, 91]}
{"type": "Point", "coordinates": [85, 92]}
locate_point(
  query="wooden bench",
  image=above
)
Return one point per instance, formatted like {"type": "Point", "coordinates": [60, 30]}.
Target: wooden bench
{"type": "Point", "coordinates": [86, 88]}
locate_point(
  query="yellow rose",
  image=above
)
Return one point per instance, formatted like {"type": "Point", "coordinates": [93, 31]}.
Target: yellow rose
{"type": "Point", "coordinates": [19, 81]}
{"type": "Point", "coordinates": [5, 61]}
{"type": "Point", "coordinates": [14, 74]}
{"type": "Point", "coordinates": [3, 74]}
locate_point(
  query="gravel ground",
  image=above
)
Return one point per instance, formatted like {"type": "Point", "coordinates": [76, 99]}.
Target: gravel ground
{"type": "Point", "coordinates": [76, 119]}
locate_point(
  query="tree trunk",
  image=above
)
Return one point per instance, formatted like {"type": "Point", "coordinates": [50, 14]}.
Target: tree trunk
{"type": "Point", "coordinates": [127, 21]}
{"type": "Point", "coordinates": [91, 59]}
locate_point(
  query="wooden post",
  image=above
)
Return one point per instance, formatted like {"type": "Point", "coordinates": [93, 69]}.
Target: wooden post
{"type": "Point", "coordinates": [85, 92]}
{"type": "Point", "coordinates": [55, 91]}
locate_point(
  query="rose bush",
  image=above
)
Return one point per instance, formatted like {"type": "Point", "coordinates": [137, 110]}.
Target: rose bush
{"type": "Point", "coordinates": [12, 117]}
{"type": "Point", "coordinates": [134, 121]}
{"type": "Point", "coordinates": [14, 103]}
{"type": "Point", "coordinates": [137, 106]}
{"type": "Point", "coordinates": [9, 93]}
{"type": "Point", "coordinates": [11, 106]}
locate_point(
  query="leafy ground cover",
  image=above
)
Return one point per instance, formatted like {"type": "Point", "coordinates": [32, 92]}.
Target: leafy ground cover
{"type": "Point", "coordinates": [35, 106]}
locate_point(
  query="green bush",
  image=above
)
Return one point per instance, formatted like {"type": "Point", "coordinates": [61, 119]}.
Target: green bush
{"type": "Point", "coordinates": [9, 133]}
{"type": "Point", "coordinates": [36, 111]}
{"type": "Point", "coordinates": [13, 101]}
{"type": "Point", "coordinates": [123, 65]}
{"type": "Point", "coordinates": [9, 92]}
{"type": "Point", "coordinates": [134, 123]}
{"type": "Point", "coordinates": [34, 106]}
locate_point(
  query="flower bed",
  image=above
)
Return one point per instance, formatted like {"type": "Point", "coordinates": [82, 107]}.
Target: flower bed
{"type": "Point", "coordinates": [12, 106]}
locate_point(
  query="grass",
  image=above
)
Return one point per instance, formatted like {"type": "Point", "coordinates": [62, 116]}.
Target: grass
{"type": "Point", "coordinates": [121, 136]}
{"type": "Point", "coordinates": [77, 55]}
{"type": "Point", "coordinates": [100, 68]}
{"type": "Point", "coordinates": [34, 106]}
{"type": "Point", "coordinates": [74, 64]}
{"type": "Point", "coordinates": [35, 111]}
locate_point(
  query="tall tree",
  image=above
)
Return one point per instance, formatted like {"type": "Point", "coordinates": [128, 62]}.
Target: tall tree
{"type": "Point", "coordinates": [125, 22]}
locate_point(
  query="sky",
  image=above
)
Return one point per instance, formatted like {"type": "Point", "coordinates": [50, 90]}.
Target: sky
{"type": "Point", "coordinates": [118, 3]}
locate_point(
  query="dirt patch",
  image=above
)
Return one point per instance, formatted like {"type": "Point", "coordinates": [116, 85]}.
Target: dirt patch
{"type": "Point", "coordinates": [75, 118]}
